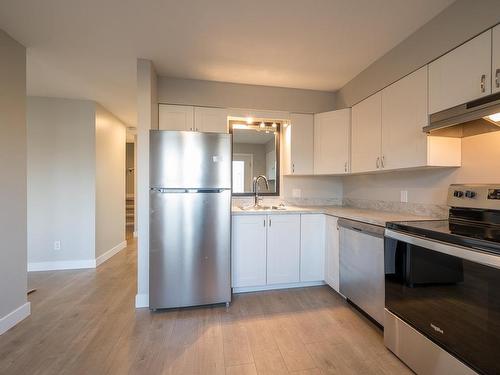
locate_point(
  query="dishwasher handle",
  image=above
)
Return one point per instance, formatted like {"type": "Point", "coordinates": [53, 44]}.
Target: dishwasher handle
{"type": "Point", "coordinates": [369, 229]}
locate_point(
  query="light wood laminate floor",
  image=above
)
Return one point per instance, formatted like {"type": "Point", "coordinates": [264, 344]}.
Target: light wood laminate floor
{"type": "Point", "coordinates": [84, 322]}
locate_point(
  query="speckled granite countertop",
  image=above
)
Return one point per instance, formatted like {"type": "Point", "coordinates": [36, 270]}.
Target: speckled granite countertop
{"type": "Point", "coordinates": [364, 215]}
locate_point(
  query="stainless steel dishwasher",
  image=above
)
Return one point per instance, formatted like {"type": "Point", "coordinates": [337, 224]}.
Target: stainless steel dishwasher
{"type": "Point", "coordinates": [362, 266]}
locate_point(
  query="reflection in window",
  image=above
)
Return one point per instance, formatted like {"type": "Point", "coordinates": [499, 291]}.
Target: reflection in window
{"type": "Point", "coordinates": [256, 148]}
{"type": "Point", "coordinates": [238, 176]}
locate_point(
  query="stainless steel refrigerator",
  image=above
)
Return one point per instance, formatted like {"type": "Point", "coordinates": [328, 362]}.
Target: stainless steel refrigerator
{"type": "Point", "coordinates": [190, 219]}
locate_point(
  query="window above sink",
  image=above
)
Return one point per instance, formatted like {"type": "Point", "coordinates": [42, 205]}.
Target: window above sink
{"type": "Point", "coordinates": [255, 153]}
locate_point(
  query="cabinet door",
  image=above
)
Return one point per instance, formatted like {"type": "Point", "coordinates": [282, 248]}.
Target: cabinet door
{"type": "Point", "coordinates": [175, 117]}
{"type": "Point", "coordinates": [210, 120]}
{"type": "Point", "coordinates": [283, 248]}
{"type": "Point", "coordinates": [332, 263]}
{"type": "Point", "coordinates": [331, 142]}
{"type": "Point", "coordinates": [461, 75]}
{"type": "Point", "coordinates": [366, 134]}
{"type": "Point", "coordinates": [299, 142]}
{"type": "Point", "coordinates": [312, 247]}
{"type": "Point", "coordinates": [249, 250]}
{"type": "Point", "coordinates": [496, 59]}
{"type": "Point", "coordinates": [404, 113]}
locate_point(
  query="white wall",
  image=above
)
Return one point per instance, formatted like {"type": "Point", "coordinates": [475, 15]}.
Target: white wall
{"type": "Point", "coordinates": [147, 118]}
{"type": "Point", "coordinates": [13, 274]}
{"type": "Point", "coordinates": [61, 180]}
{"type": "Point", "coordinates": [110, 139]}
{"type": "Point", "coordinates": [234, 95]}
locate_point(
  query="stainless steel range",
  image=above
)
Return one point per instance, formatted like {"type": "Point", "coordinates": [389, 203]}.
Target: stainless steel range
{"type": "Point", "coordinates": [442, 286]}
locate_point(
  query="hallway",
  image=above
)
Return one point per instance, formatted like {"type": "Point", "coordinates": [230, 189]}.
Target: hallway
{"type": "Point", "coordinates": [84, 322]}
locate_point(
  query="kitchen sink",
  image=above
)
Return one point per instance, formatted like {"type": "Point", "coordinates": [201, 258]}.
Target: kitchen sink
{"type": "Point", "coordinates": [262, 208]}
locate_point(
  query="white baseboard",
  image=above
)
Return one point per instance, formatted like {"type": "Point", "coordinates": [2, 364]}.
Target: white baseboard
{"type": "Point", "coordinates": [14, 317]}
{"type": "Point", "coordinates": [247, 289]}
{"type": "Point", "coordinates": [108, 254]}
{"type": "Point", "coordinates": [141, 300]}
{"type": "Point", "coordinates": [61, 265]}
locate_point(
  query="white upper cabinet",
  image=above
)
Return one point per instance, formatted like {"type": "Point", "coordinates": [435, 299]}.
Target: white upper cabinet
{"type": "Point", "coordinates": [249, 250]}
{"type": "Point", "coordinates": [332, 247]}
{"type": "Point", "coordinates": [366, 134]}
{"type": "Point", "coordinates": [404, 114]}
{"type": "Point", "coordinates": [495, 68]}
{"type": "Point", "coordinates": [175, 117]}
{"type": "Point", "coordinates": [210, 120]}
{"type": "Point", "coordinates": [298, 144]}
{"type": "Point", "coordinates": [312, 247]}
{"type": "Point", "coordinates": [461, 75]}
{"type": "Point", "coordinates": [189, 118]}
{"type": "Point", "coordinates": [283, 249]}
{"type": "Point", "coordinates": [331, 142]}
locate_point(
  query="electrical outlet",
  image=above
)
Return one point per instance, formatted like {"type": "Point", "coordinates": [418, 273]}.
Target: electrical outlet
{"type": "Point", "coordinates": [296, 193]}
{"type": "Point", "coordinates": [404, 196]}
{"type": "Point", "coordinates": [57, 245]}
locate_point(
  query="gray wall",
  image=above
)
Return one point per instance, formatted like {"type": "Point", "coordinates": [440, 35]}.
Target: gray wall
{"type": "Point", "coordinates": [110, 181]}
{"type": "Point", "coordinates": [233, 95]}
{"type": "Point", "coordinates": [61, 179]}
{"type": "Point", "coordinates": [480, 154]}
{"type": "Point", "coordinates": [13, 186]}
{"type": "Point", "coordinates": [459, 22]}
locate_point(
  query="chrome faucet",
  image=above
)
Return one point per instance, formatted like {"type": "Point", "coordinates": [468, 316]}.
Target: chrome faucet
{"type": "Point", "coordinates": [256, 185]}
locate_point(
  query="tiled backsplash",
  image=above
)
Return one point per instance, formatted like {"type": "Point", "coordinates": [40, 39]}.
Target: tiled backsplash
{"type": "Point", "coordinates": [421, 209]}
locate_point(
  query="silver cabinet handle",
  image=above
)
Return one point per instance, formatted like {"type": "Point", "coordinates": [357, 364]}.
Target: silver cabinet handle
{"type": "Point", "coordinates": [382, 161]}
{"type": "Point", "coordinates": [345, 167]}
{"type": "Point", "coordinates": [497, 77]}
{"type": "Point", "coordinates": [270, 222]}
{"type": "Point", "coordinates": [293, 167]}
{"type": "Point", "coordinates": [483, 83]}
{"type": "Point", "coordinates": [264, 222]}
{"type": "Point", "coordinates": [378, 162]}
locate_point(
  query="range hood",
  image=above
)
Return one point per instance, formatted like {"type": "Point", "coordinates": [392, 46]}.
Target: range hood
{"type": "Point", "coordinates": [476, 117]}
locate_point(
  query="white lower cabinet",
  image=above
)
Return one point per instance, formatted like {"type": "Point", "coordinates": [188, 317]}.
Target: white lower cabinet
{"type": "Point", "coordinates": [249, 250]}
{"type": "Point", "coordinates": [278, 250]}
{"type": "Point", "coordinates": [312, 247]}
{"type": "Point", "coordinates": [332, 253]}
{"type": "Point", "coordinates": [283, 249]}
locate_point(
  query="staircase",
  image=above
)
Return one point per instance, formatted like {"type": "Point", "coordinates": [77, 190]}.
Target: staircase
{"type": "Point", "coordinates": [130, 213]}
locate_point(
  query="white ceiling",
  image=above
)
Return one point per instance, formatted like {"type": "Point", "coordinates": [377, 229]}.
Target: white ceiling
{"type": "Point", "coordinates": [88, 48]}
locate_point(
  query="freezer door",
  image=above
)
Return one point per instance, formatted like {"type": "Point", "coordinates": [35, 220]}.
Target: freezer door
{"type": "Point", "coordinates": [180, 159]}
{"type": "Point", "coordinates": [190, 244]}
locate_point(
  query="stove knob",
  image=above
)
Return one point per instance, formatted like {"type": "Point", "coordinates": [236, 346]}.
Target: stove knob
{"type": "Point", "coordinates": [458, 194]}
{"type": "Point", "coordinates": [470, 194]}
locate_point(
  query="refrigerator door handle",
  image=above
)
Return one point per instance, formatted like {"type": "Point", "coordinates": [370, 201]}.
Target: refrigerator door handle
{"type": "Point", "coordinates": [181, 191]}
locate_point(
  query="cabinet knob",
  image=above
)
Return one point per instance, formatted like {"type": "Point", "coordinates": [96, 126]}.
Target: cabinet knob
{"type": "Point", "coordinates": [345, 167]}
{"type": "Point", "coordinates": [382, 161]}
{"type": "Point", "coordinates": [497, 78]}
{"type": "Point", "coordinates": [377, 163]}
{"type": "Point", "coordinates": [483, 83]}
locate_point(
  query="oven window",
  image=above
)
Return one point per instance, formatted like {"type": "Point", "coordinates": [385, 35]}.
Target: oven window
{"type": "Point", "coordinates": [454, 302]}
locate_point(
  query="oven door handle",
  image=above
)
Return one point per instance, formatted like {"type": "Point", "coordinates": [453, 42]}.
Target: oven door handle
{"type": "Point", "coordinates": [475, 256]}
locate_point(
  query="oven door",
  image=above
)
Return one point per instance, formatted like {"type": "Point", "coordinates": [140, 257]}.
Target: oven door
{"type": "Point", "coordinates": [448, 293]}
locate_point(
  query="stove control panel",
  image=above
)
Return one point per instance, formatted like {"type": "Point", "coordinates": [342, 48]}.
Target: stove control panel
{"type": "Point", "coordinates": [494, 194]}
{"type": "Point", "coordinates": [482, 196]}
